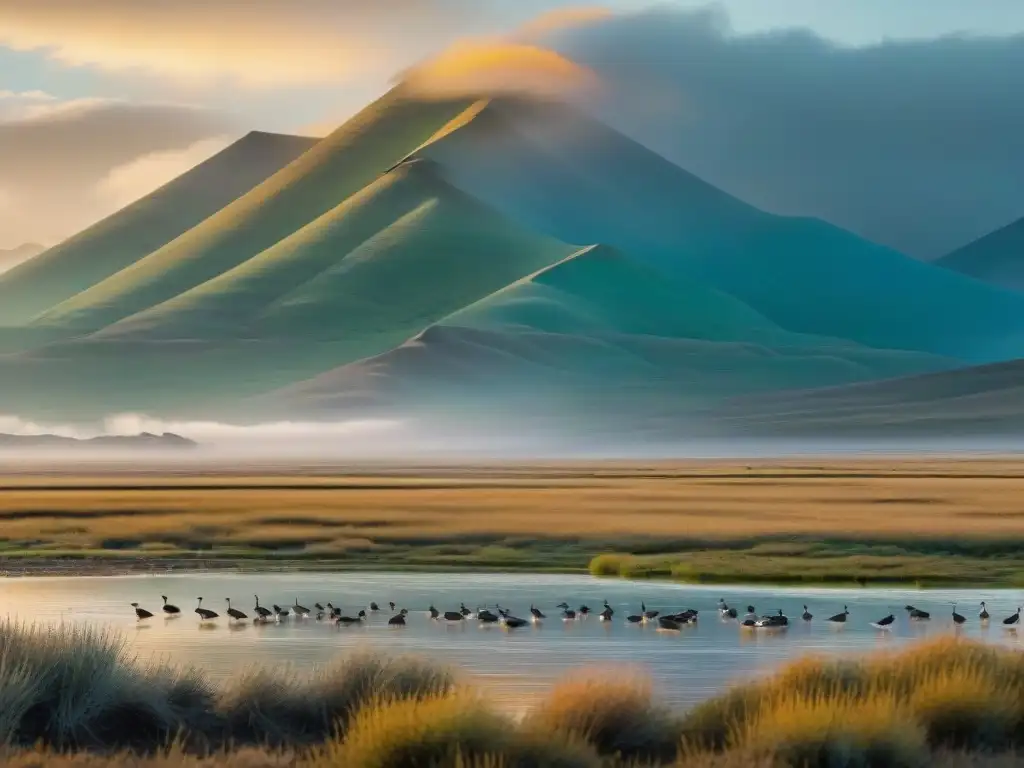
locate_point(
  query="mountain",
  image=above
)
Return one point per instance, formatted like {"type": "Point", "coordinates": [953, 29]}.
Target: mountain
{"type": "Point", "coordinates": [977, 401]}
{"type": "Point", "coordinates": [563, 173]}
{"type": "Point", "coordinates": [14, 256]}
{"type": "Point", "coordinates": [997, 258]}
{"type": "Point", "coordinates": [130, 234]}
{"type": "Point", "coordinates": [144, 440]}
{"type": "Point", "coordinates": [335, 168]}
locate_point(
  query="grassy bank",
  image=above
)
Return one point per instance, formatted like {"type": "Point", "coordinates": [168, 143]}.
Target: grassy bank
{"type": "Point", "coordinates": [843, 521]}
{"type": "Point", "coordinates": [77, 694]}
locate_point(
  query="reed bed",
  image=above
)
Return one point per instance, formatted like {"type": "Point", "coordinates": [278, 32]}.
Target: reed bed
{"type": "Point", "coordinates": [75, 697]}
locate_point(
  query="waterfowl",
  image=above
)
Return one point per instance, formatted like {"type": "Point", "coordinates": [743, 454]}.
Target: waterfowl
{"type": "Point", "coordinates": [486, 617]}
{"type": "Point", "coordinates": [261, 612]}
{"type": "Point", "coordinates": [454, 616]}
{"type": "Point", "coordinates": [374, 607]}
{"type": "Point", "coordinates": [205, 614]}
{"type": "Point", "coordinates": [568, 614]}
{"type": "Point", "coordinates": [170, 610]}
{"type": "Point", "coordinates": [300, 610]}
{"type": "Point", "coordinates": [983, 614]}
{"type": "Point", "coordinates": [607, 613]}
{"type": "Point", "coordinates": [282, 613]}
{"type": "Point", "coordinates": [583, 610]}
{"type": "Point", "coordinates": [349, 620]}
{"type": "Point", "coordinates": [667, 622]}
{"type": "Point", "coordinates": [398, 620]}
{"type": "Point", "coordinates": [634, 618]}
{"type": "Point", "coordinates": [648, 614]}
{"type": "Point", "coordinates": [884, 623]}
{"type": "Point", "coordinates": [142, 613]}
{"type": "Point", "coordinates": [957, 618]}
{"type": "Point", "coordinates": [434, 613]}
{"type": "Point", "coordinates": [392, 606]}
{"type": "Point", "coordinates": [840, 618]}
{"type": "Point", "coordinates": [1013, 619]}
{"type": "Point", "coordinates": [234, 613]}
{"type": "Point", "coordinates": [806, 615]}
{"type": "Point", "coordinates": [916, 614]}
{"type": "Point", "coordinates": [318, 606]}
{"type": "Point", "coordinates": [563, 606]}
{"type": "Point", "coordinates": [514, 622]}
{"type": "Point", "coordinates": [536, 613]}
{"type": "Point", "coordinates": [464, 610]}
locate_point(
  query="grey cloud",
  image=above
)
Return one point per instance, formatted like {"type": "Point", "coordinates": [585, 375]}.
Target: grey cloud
{"type": "Point", "coordinates": [55, 156]}
{"type": "Point", "coordinates": [915, 144]}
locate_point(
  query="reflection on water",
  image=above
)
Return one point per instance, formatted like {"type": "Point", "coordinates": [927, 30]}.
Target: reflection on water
{"type": "Point", "coordinates": [686, 666]}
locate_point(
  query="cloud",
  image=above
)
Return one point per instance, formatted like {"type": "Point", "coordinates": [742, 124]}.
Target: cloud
{"type": "Point", "coordinates": [258, 43]}
{"type": "Point", "coordinates": [496, 67]}
{"type": "Point", "coordinates": [915, 144]}
{"type": "Point", "coordinates": [63, 165]}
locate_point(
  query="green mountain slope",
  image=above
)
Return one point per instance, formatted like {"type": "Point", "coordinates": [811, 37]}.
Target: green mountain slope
{"type": "Point", "coordinates": [123, 238]}
{"type": "Point", "coordinates": [561, 172]}
{"type": "Point", "coordinates": [335, 168]}
{"type": "Point", "coordinates": [12, 257]}
{"type": "Point", "coordinates": [997, 258]}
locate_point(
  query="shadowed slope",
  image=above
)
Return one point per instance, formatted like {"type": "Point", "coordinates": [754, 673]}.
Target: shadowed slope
{"type": "Point", "coordinates": [997, 258]}
{"type": "Point", "coordinates": [335, 168]}
{"type": "Point", "coordinates": [133, 232]}
{"type": "Point", "coordinates": [984, 400]}
{"type": "Point", "coordinates": [12, 257]}
{"type": "Point", "coordinates": [563, 173]}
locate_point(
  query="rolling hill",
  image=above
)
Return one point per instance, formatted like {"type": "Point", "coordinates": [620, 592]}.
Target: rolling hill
{"type": "Point", "coordinates": [978, 401]}
{"type": "Point", "coordinates": [132, 233]}
{"type": "Point", "coordinates": [335, 168]}
{"type": "Point", "coordinates": [561, 172]}
{"type": "Point", "coordinates": [997, 258]}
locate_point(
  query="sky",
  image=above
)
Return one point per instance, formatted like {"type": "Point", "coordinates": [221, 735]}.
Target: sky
{"type": "Point", "coordinates": [102, 101]}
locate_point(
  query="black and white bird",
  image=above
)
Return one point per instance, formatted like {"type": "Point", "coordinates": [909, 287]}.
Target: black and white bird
{"type": "Point", "coordinates": [537, 614]}
{"type": "Point", "coordinates": [648, 614]}
{"type": "Point", "coordinates": [513, 622]}
{"type": "Point", "coordinates": [957, 618]}
{"type": "Point", "coordinates": [607, 612]}
{"type": "Point", "coordinates": [398, 620]}
{"type": "Point", "coordinates": [454, 616]}
{"type": "Point", "coordinates": [915, 614]}
{"type": "Point", "coordinates": [141, 613]}
{"type": "Point", "coordinates": [806, 615]}
{"type": "Point", "coordinates": [261, 612]}
{"type": "Point", "coordinates": [234, 613]}
{"type": "Point", "coordinates": [884, 623]}
{"type": "Point", "coordinates": [170, 610]}
{"type": "Point", "coordinates": [434, 613]}
{"type": "Point", "coordinates": [205, 614]}
{"type": "Point", "coordinates": [983, 614]}
{"type": "Point", "coordinates": [281, 613]}
{"type": "Point", "coordinates": [300, 610]}
{"type": "Point", "coordinates": [840, 618]}
{"type": "Point", "coordinates": [1013, 619]}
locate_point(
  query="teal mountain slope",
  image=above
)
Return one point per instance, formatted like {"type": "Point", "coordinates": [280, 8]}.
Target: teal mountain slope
{"type": "Point", "coordinates": [12, 257]}
{"type": "Point", "coordinates": [130, 234]}
{"type": "Point", "coordinates": [560, 172]}
{"type": "Point", "coordinates": [335, 168]}
{"type": "Point", "coordinates": [996, 258]}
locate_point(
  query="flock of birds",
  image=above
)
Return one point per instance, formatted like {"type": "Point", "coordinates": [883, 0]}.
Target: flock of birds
{"type": "Point", "coordinates": [665, 620]}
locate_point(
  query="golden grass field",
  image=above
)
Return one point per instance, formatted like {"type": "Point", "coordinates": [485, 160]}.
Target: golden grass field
{"type": "Point", "coordinates": [851, 519]}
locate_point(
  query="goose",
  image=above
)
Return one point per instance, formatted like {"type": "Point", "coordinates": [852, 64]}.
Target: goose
{"type": "Point", "coordinates": [464, 610]}
{"type": "Point", "coordinates": [917, 615]}
{"type": "Point", "coordinates": [840, 618]}
{"type": "Point", "coordinates": [374, 606]}
{"type": "Point", "coordinates": [261, 612]}
{"type": "Point", "coordinates": [806, 615]}
{"type": "Point", "coordinates": [884, 623]}
{"type": "Point", "coordinates": [514, 622]}
{"type": "Point", "coordinates": [648, 614]}
{"type": "Point", "coordinates": [234, 613]}
{"type": "Point", "coordinates": [434, 613]}
{"type": "Point", "coordinates": [536, 613]}
{"type": "Point", "coordinates": [779, 620]}
{"type": "Point", "coordinates": [346, 620]}
{"type": "Point", "coordinates": [583, 610]}
{"type": "Point", "coordinates": [1012, 619]}
{"type": "Point", "coordinates": [282, 613]}
{"type": "Point", "coordinates": [392, 606]}
{"type": "Point", "coordinates": [300, 610]}
{"type": "Point", "coordinates": [667, 622]}
{"type": "Point", "coordinates": [607, 613]}
{"type": "Point", "coordinates": [170, 610]}
{"type": "Point", "coordinates": [568, 614]}
{"type": "Point", "coordinates": [983, 615]}
{"type": "Point", "coordinates": [398, 620]}
{"type": "Point", "coordinates": [957, 618]}
{"type": "Point", "coordinates": [689, 615]}
{"type": "Point", "coordinates": [502, 611]}
{"type": "Point", "coordinates": [142, 613]}
{"type": "Point", "coordinates": [486, 617]}
{"type": "Point", "coordinates": [205, 614]}
{"type": "Point", "coordinates": [454, 616]}
{"type": "Point", "coordinates": [635, 618]}
{"type": "Point", "coordinates": [727, 612]}
{"type": "Point", "coordinates": [750, 617]}
{"type": "Point", "coordinates": [318, 606]}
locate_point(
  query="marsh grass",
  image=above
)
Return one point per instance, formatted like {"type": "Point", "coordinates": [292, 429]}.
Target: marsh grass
{"type": "Point", "coordinates": [78, 692]}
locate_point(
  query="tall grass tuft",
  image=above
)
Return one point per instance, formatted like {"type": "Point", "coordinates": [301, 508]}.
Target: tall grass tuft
{"type": "Point", "coordinates": [618, 717]}
{"type": "Point", "coordinates": [449, 731]}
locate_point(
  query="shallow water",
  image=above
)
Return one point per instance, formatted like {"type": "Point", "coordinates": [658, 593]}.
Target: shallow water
{"type": "Point", "coordinates": [686, 666]}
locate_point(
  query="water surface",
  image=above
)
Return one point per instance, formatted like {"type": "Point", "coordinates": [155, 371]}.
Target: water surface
{"type": "Point", "coordinates": [686, 666]}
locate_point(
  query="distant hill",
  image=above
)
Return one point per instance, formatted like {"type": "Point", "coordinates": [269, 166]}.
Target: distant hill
{"type": "Point", "coordinates": [143, 440]}
{"type": "Point", "coordinates": [128, 235]}
{"type": "Point", "coordinates": [14, 256]}
{"type": "Point", "coordinates": [997, 258]}
{"type": "Point", "coordinates": [978, 401]}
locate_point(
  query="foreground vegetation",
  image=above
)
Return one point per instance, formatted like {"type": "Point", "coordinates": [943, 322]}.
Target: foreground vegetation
{"type": "Point", "coordinates": [907, 521]}
{"type": "Point", "coordinates": [71, 696]}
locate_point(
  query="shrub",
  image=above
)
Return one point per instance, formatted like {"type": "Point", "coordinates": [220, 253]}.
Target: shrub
{"type": "Point", "coordinates": [448, 731]}
{"type": "Point", "coordinates": [609, 565]}
{"type": "Point", "coordinates": [618, 717]}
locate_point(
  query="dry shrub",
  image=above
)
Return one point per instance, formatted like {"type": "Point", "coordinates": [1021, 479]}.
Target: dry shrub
{"type": "Point", "coordinates": [448, 731]}
{"type": "Point", "coordinates": [618, 717]}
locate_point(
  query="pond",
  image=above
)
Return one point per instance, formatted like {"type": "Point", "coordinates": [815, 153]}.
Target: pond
{"type": "Point", "coordinates": [513, 665]}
